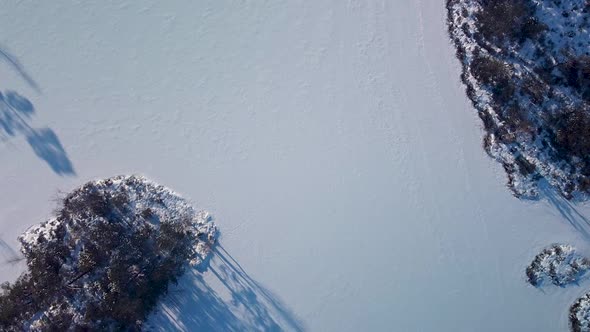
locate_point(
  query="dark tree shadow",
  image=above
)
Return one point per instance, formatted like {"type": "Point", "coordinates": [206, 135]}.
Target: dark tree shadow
{"type": "Point", "coordinates": [15, 65]}
{"type": "Point", "coordinates": [15, 112]}
{"type": "Point", "coordinates": [193, 305]}
{"type": "Point", "coordinates": [9, 255]}
{"type": "Point", "coordinates": [47, 146]}
{"type": "Point", "coordinates": [567, 210]}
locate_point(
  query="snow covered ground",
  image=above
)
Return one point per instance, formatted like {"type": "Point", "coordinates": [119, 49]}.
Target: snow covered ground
{"type": "Point", "coordinates": [331, 140]}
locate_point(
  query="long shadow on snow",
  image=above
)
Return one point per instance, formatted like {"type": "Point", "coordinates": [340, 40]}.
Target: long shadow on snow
{"type": "Point", "coordinates": [10, 255]}
{"type": "Point", "coordinates": [193, 305]}
{"type": "Point", "coordinates": [567, 210]}
{"type": "Point", "coordinates": [15, 112]}
{"type": "Point", "coordinates": [15, 64]}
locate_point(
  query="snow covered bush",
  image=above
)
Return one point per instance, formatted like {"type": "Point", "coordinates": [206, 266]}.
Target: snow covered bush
{"type": "Point", "coordinates": [559, 264]}
{"type": "Point", "coordinates": [526, 67]}
{"type": "Point", "coordinates": [580, 314]}
{"type": "Point", "coordinates": [106, 257]}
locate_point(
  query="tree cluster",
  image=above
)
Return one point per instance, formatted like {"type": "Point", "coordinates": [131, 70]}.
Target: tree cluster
{"type": "Point", "coordinates": [500, 21]}
{"type": "Point", "coordinates": [526, 66]}
{"type": "Point", "coordinates": [104, 260]}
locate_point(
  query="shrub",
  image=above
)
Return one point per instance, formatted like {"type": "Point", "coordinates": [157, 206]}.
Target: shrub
{"type": "Point", "coordinates": [572, 132]}
{"type": "Point", "coordinates": [534, 89]}
{"type": "Point", "coordinates": [495, 74]}
{"type": "Point", "coordinates": [576, 70]}
{"type": "Point", "coordinates": [502, 20]}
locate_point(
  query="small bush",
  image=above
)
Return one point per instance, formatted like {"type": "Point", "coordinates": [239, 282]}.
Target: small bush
{"type": "Point", "coordinates": [576, 71]}
{"type": "Point", "coordinates": [534, 89]}
{"type": "Point", "coordinates": [572, 133]}
{"type": "Point", "coordinates": [502, 20]}
{"type": "Point", "coordinates": [531, 29]}
{"type": "Point", "coordinates": [518, 120]}
{"type": "Point", "coordinates": [495, 74]}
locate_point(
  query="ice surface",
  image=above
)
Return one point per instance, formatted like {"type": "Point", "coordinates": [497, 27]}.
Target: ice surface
{"type": "Point", "coordinates": [332, 141]}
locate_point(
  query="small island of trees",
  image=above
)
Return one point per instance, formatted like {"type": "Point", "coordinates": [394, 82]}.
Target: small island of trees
{"type": "Point", "coordinates": [110, 252]}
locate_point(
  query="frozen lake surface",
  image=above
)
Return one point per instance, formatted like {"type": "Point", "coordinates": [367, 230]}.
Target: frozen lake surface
{"type": "Point", "coordinates": [331, 140]}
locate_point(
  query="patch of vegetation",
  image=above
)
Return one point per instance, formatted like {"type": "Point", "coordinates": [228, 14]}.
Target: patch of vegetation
{"type": "Point", "coordinates": [559, 264]}
{"type": "Point", "coordinates": [579, 314]}
{"type": "Point", "coordinates": [106, 258]}
{"type": "Point", "coordinates": [526, 66]}
{"type": "Point", "coordinates": [508, 20]}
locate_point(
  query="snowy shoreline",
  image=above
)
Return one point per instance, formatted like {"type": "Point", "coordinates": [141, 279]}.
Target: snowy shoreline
{"type": "Point", "coordinates": [526, 111]}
